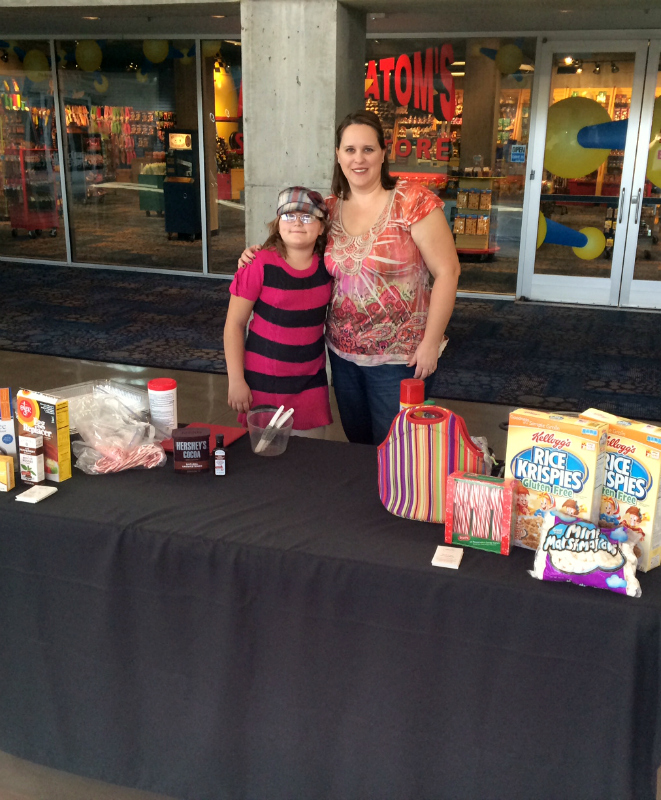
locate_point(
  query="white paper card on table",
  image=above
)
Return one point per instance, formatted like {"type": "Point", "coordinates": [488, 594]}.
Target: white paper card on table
{"type": "Point", "coordinates": [449, 557]}
{"type": "Point", "coordinates": [36, 494]}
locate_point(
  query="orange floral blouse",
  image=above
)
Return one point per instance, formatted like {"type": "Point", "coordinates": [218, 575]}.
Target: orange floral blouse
{"type": "Point", "coordinates": [378, 309]}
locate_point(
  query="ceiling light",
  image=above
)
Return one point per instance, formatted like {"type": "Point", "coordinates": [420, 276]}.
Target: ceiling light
{"type": "Point", "coordinates": [569, 60]}
{"type": "Point", "coordinates": [90, 17]}
{"type": "Point", "coordinates": [614, 67]}
{"type": "Point", "coordinates": [217, 16]}
{"type": "Point", "coordinates": [457, 74]}
{"type": "Point", "coordinates": [458, 64]}
{"type": "Point", "coordinates": [597, 69]}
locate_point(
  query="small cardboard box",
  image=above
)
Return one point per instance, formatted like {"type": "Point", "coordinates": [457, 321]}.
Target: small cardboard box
{"type": "Point", "coordinates": [7, 427]}
{"type": "Point", "coordinates": [6, 473]}
{"type": "Point", "coordinates": [632, 490]}
{"type": "Point", "coordinates": [559, 462]}
{"type": "Point", "coordinates": [47, 416]}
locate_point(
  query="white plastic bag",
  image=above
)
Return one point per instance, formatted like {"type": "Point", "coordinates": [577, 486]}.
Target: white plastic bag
{"type": "Point", "coordinates": [114, 438]}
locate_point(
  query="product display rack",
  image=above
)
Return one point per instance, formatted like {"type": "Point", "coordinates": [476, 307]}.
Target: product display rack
{"type": "Point", "coordinates": [479, 195]}
{"type": "Point", "coordinates": [33, 191]}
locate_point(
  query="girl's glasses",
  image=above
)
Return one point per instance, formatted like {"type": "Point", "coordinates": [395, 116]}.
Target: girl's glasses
{"type": "Point", "coordinates": [306, 219]}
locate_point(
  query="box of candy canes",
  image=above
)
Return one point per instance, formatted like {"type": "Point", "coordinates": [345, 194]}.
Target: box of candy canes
{"type": "Point", "coordinates": [480, 511]}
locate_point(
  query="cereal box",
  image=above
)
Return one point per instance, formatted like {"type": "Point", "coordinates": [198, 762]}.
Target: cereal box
{"type": "Point", "coordinates": [632, 484]}
{"type": "Point", "coordinates": [47, 416]}
{"type": "Point", "coordinates": [559, 462]}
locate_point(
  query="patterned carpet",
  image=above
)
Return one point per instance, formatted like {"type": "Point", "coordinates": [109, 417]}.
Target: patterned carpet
{"type": "Point", "coordinates": [526, 354]}
{"type": "Point", "coordinates": [107, 315]}
{"type": "Point", "coordinates": [553, 357]}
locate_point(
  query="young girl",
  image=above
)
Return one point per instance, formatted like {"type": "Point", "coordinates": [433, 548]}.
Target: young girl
{"type": "Point", "coordinates": [283, 360]}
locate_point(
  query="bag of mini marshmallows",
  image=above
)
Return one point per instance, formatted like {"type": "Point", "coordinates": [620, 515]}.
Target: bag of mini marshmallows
{"type": "Point", "coordinates": [572, 550]}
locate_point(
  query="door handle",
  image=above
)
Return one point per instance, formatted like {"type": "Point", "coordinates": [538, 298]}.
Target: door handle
{"type": "Point", "coordinates": [638, 203]}
{"type": "Point", "coordinates": [624, 191]}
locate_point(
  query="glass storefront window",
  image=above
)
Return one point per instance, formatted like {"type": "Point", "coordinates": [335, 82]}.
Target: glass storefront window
{"type": "Point", "coordinates": [132, 152]}
{"type": "Point", "coordinates": [31, 222]}
{"type": "Point", "coordinates": [223, 142]}
{"type": "Point", "coordinates": [456, 114]}
{"type": "Point", "coordinates": [648, 250]}
{"type": "Point", "coordinates": [581, 185]}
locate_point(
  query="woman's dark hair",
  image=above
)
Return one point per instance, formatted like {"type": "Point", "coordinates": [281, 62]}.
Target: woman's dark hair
{"type": "Point", "coordinates": [340, 185]}
{"type": "Point", "coordinates": [274, 241]}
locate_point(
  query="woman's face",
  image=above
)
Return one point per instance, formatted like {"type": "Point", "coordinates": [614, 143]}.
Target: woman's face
{"type": "Point", "coordinates": [360, 156]}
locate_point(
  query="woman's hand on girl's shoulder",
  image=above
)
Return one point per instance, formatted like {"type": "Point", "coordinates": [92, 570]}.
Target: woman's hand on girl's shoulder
{"type": "Point", "coordinates": [248, 254]}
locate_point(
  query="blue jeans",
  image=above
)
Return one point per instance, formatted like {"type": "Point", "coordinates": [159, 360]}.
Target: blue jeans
{"type": "Point", "coordinates": [367, 397]}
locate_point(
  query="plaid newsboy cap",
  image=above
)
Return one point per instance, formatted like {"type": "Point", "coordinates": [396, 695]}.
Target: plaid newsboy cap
{"type": "Point", "coordinates": [298, 198]}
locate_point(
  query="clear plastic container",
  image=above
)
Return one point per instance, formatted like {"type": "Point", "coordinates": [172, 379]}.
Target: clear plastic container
{"type": "Point", "coordinates": [132, 396]}
{"type": "Point", "coordinates": [258, 419]}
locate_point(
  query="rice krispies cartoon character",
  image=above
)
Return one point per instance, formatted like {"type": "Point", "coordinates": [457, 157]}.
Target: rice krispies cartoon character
{"type": "Point", "coordinates": [570, 507]}
{"type": "Point", "coordinates": [546, 503]}
{"type": "Point", "coordinates": [610, 513]}
{"type": "Point", "coordinates": [631, 522]}
{"type": "Point", "coordinates": [522, 509]}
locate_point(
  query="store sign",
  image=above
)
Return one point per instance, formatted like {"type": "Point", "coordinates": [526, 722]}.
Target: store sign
{"type": "Point", "coordinates": [422, 81]}
{"type": "Point", "coordinates": [518, 154]}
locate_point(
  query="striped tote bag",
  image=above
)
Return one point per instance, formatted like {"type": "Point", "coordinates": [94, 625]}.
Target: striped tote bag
{"type": "Point", "coordinates": [425, 445]}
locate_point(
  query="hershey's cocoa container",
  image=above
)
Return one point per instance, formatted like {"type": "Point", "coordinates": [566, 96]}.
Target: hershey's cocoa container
{"type": "Point", "coordinates": [191, 449]}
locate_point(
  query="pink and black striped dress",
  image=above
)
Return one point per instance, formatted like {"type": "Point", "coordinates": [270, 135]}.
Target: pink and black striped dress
{"type": "Point", "coordinates": [285, 356]}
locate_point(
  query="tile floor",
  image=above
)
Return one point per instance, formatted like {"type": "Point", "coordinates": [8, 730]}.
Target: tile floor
{"type": "Point", "coordinates": [201, 397]}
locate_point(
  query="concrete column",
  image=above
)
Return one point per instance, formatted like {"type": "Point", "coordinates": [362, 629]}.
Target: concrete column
{"type": "Point", "coordinates": [303, 71]}
{"type": "Point", "coordinates": [481, 104]}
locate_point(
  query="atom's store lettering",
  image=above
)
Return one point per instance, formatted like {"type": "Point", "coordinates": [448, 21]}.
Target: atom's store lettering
{"type": "Point", "coordinates": [578, 538]}
{"type": "Point", "coordinates": [553, 468]}
{"type": "Point", "coordinates": [627, 476]}
{"type": "Point", "coordinates": [423, 81]}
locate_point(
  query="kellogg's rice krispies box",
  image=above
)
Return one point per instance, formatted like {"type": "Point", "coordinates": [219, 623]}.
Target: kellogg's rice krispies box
{"type": "Point", "coordinates": [559, 462]}
{"type": "Point", "coordinates": [632, 484]}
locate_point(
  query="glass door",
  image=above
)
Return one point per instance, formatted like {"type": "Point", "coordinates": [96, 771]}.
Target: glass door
{"type": "Point", "coordinates": [641, 279]}
{"type": "Point", "coordinates": [588, 115]}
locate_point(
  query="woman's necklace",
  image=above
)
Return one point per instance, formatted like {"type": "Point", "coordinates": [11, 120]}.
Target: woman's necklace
{"type": "Point", "coordinates": [348, 251]}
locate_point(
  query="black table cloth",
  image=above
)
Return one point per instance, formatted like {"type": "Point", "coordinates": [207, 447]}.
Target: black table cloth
{"type": "Point", "coordinates": [275, 634]}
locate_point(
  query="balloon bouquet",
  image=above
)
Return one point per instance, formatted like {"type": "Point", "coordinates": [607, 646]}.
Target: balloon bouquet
{"type": "Point", "coordinates": [579, 137]}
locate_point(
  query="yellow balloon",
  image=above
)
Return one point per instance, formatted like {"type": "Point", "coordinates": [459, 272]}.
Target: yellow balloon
{"type": "Point", "coordinates": [186, 48]}
{"type": "Point", "coordinates": [509, 58]}
{"type": "Point", "coordinates": [654, 157]}
{"type": "Point", "coordinates": [210, 48]}
{"type": "Point", "coordinates": [564, 156]}
{"type": "Point", "coordinates": [88, 55]}
{"type": "Point", "coordinates": [156, 50]}
{"type": "Point", "coordinates": [541, 230]}
{"type": "Point", "coordinates": [36, 66]}
{"type": "Point", "coordinates": [101, 85]}
{"type": "Point", "coordinates": [142, 77]}
{"type": "Point", "coordinates": [595, 246]}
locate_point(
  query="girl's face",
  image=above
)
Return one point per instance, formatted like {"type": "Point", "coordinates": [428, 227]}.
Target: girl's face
{"type": "Point", "coordinates": [360, 157]}
{"type": "Point", "coordinates": [299, 235]}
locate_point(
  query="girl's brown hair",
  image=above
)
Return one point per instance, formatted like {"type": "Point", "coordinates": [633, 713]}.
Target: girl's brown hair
{"type": "Point", "coordinates": [340, 185]}
{"type": "Point", "coordinates": [274, 241]}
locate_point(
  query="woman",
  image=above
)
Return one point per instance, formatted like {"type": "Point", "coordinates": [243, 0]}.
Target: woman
{"type": "Point", "coordinates": [384, 322]}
